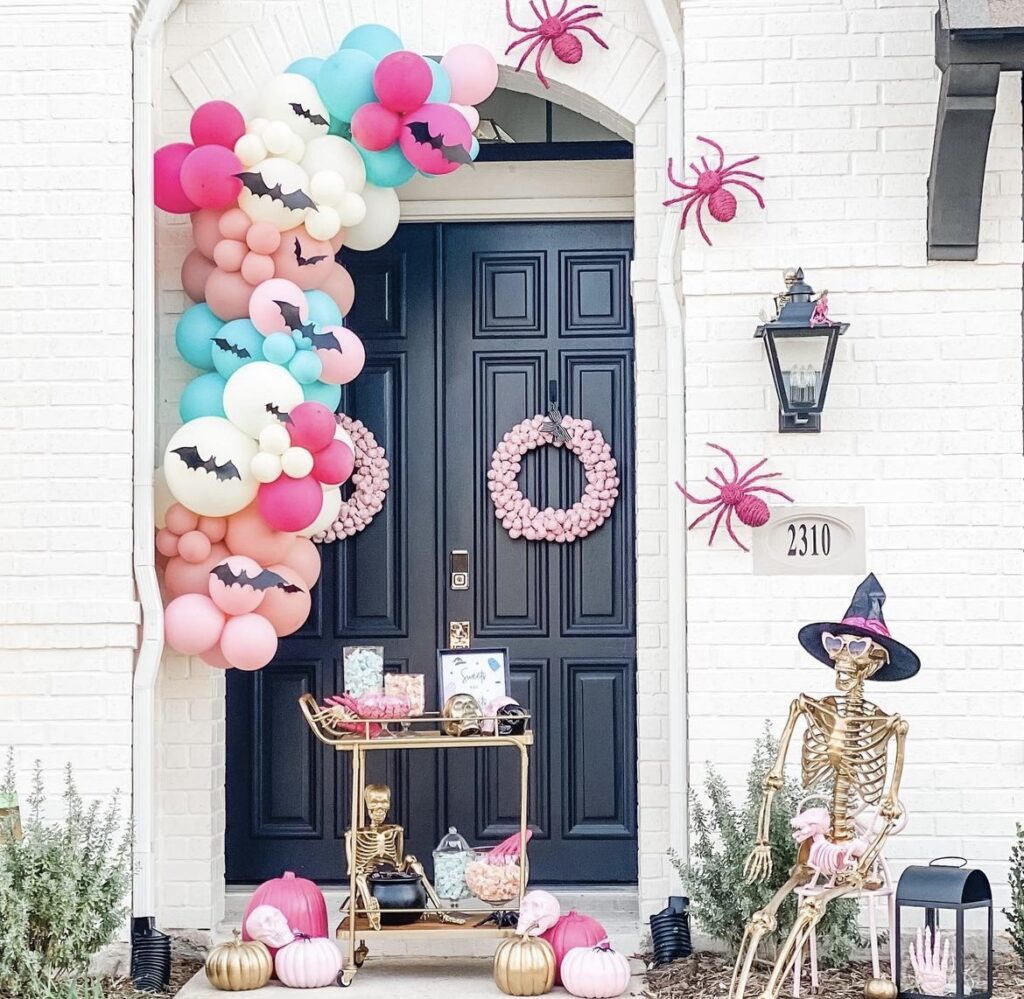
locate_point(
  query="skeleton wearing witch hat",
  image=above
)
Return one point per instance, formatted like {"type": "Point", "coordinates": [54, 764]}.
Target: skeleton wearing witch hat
{"type": "Point", "coordinates": [847, 742]}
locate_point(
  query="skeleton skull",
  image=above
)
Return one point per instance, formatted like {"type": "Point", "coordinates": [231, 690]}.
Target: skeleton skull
{"type": "Point", "coordinates": [461, 715]}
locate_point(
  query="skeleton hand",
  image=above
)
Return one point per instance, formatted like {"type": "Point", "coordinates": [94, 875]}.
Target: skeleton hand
{"type": "Point", "coordinates": [890, 810]}
{"type": "Point", "coordinates": [759, 864]}
{"type": "Point", "coordinates": [930, 967]}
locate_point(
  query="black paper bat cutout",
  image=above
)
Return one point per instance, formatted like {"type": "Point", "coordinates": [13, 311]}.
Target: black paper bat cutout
{"type": "Point", "coordinates": [453, 154]}
{"type": "Point", "coordinates": [292, 319]}
{"type": "Point", "coordinates": [190, 455]}
{"type": "Point", "coordinates": [310, 116]}
{"type": "Point", "coordinates": [256, 185]}
{"type": "Point", "coordinates": [277, 413]}
{"type": "Point", "coordinates": [231, 348]}
{"type": "Point", "coordinates": [264, 580]}
{"type": "Point", "coordinates": [306, 261]}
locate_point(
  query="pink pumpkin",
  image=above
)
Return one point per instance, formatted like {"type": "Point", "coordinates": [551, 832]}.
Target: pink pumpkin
{"type": "Point", "coordinates": [595, 972]}
{"type": "Point", "coordinates": [301, 902]}
{"type": "Point", "coordinates": [308, 963]}
{"type": "Point", "coordinates": [572, 930]}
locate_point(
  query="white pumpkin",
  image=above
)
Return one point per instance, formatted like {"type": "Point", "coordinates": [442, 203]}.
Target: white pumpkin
{"type": "Point", "coordinates": [308, 963]}
{"type": "Point", "coordinates": [595, 972]}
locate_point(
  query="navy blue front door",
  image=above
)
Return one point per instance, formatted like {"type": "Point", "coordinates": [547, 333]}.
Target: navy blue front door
{"type": "Point", "coordinates": [466, 326]}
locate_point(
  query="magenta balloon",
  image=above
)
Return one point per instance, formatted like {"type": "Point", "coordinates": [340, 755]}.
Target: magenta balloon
{"type": "Point", "coordinates": [286, 611]}
{"type": "Point", "coordinates": [167, 190]}
{"type": "Point", "coordinates": [208, 176]}
{"type": "Point", "coordinates": [402, 81]}
{"type": "Point", "coordinates": [288, 504]}
{"type": "Point", "coordinates": [376, 127]}
{"type": "Point", "coordinates": [206, 232]}
{"type": "Point", "coordinates": [442, 121]}
{"type": "Point", "coordinates": [195, 272]}
{"type": "Point", "coordinates": [340, 286]}
{"type": "Point", "coordinates": [217, 123]}
{"type": "Point", "coordinates": [264, 311]}
{"type": "Point", "coordinates": [311, 425]}
{"type": "Point", "coordinates": [192, 624]}
{"type": "Point", "coordinates": [248, 642]}
{"type": "Point", "coordinates": [303, 260]}
{"type": "Point", "coordinates": [342, 366]}
{"type": "Point", "coordinates": [227, 295]}
{"type": "Point", "coordinates": [233, 590]}
{"type": "Point", "coordinates": [334, 464]}
{"type": "Point", "coordinates": [473, 72]}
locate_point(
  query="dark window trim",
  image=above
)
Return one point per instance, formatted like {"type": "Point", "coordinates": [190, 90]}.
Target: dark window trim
{"type": "Point", "coordinates": [519, 152]}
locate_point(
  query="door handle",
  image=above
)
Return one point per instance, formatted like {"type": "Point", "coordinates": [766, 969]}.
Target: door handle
{"type": "Point", "coordinates": [458, 566]}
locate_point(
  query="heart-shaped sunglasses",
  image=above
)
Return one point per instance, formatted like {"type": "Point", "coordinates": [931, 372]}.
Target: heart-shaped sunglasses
{"type": "Point", "coordinates": [855, 645]}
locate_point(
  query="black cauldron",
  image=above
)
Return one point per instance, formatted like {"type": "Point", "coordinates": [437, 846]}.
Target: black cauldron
{"type": "Point", "coordinates": [397, 890]}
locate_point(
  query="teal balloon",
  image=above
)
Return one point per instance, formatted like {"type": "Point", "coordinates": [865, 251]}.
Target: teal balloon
{"type": "Point", "coordinates": [441, 91]}
{"type": "Point", "coordinates": [279, 348]}
{"type": "Point", "coordinates": [203, 396]}
{"type": "Point", "coordinates": [237, 344]}
{"type": "Point", "coordinates": [309, 67]}
{"type": "Point", "coordinates": [305, 367]}
{"type": "Point", "coordinates": [339, 127]}
{"type": "Point", "coordinates": [329, 395]}
{"type": "Point", "coordinates": [345, 82]}
{"type": "Point", "coordinates": [194, 334]}
{"type": "Point", "coordinates": [388, 168]}
{"type": "Point", "coordinates": [474, 149]}
{"type": "Point", "coordinates": [323, 310]}
{"type": "Point", "coordinates": [375, 39]}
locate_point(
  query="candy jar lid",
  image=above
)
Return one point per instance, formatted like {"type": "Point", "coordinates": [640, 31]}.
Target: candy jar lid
{"type": "Point", "coordinates": [452, 843]}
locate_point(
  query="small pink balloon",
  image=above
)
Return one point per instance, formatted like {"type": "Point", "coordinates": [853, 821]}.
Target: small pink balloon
{"type": "Point", "coordinates": [194, 546]}
{"type": "Point", "coordinates": [208, 176]}
{"type": "Point", "coordinates": [228, 254]}
{"type": "Point", "coordinates": [214, 657]}
{"type": "Point", "coordinates": [376, 127]}
{"type": "Point", "coordinates": [228, 294]}
{"type": "Point", "coordinates": [402, 81]}
{"type": "Point", "coordinates": [341, 288]}
{"type": "Point", "coordinates": [473, 72]}
{"type": "Point", "coordinates": [248, 534]}
{"type": "Point", "coordinates": [166, 542]}
{"type": "Point", "coordinates": [192, 624]}
{"type": "Point", "coordinates": [262, 237]}
{"type": "Point", "coordinates": [311, 425]}
{"type": "Point", "coordinates": [214, 527]}
{"type": "Point", "coordinates": [286, 612]}
{"type": "Point", "coordinates": [192, 577]}
{"type": "Point", "coordinates": [167, 190]}
{"type": "Point", "coordinates": [231, 585]}
{"type": "Point", "coordinates": [195, 272]}
{"type": "Point", "coordinates": [303, 260]}
{"type": "Point", "coordinates": [248, 642]}
{"type": "Point", "coordinates": [257, 268]}
{"type": "Point", "coordinates": [264, 311]}
{"type": "Point", "coordinates": [206, 232]}
{"type": "Point", "coordinates": [288, 504]}
{"type": "Point", "coordinates": [443, 122]}
{"type": "Point", "coordinates": [304, 558]}
{"type": "Point", "coordinates": [234, 224]}
{"type": "Point", "coordinates": [334, 464]}
{"type": "Point", "coordinates": [180, 519]}
{"type": "Point", "coordinates": [217, 123]}
{"type": "Point", "coordinates": [341, 366]}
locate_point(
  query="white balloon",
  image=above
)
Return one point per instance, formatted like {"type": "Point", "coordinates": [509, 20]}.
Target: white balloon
{"type": "Point", "coordinates": [276, 172]}
{"type": "Point", "coordinates": [470, 113]}
{"type": "Point", "coordinates": [328, 513]}
{"type": "Point", "coordinates": [258, 395]}
{"type": "Point", "coordinates": [341, 434]}
{"type": "Point", "coordinates": [277, 137]}
{"type": "Point", "coordinates": [352, 209]}
{"type": "Point", "coordinates": [162, 498]}
{"type": "Point", "coordinates": [250, 149]}
{"type": "Point", "coordinates": [382, 212]}
{"type": "Point", "coordinates": [274, 439]}
{"type": "Point", "coordinates": [297, 462]}
{"type": "Point", "coordinates": [294, 100]}
{"type": "Point", "coordinates": [266, 467]}
{"type": "Point", "coordinates": [332, 152]}
{"type": "Point", "coordinates": [327, 187]}
{"type": "Point", "coordinates": [323, 222]}
{"type": "Point", "coordinates": [207, 467]}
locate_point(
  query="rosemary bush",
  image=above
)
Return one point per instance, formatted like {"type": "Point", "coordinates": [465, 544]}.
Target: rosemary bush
{"type": "Point", "coordinates": [723, 835]}
{"type": "Point", "coordinates": [1015, 913]}
{"type": "Point", "coordinates": [62, 889]}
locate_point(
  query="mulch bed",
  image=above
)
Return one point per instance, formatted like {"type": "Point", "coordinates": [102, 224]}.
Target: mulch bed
{"type": "Point", "coordinates": [186, 960]}
{"type": "Point", "coordinates": [708, 976]}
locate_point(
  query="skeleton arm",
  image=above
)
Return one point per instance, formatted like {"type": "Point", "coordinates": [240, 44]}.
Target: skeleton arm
{"type": "Point", "coordinates": [890, 811]}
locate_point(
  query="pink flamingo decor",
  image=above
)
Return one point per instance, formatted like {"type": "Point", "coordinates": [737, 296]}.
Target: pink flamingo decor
{"type": "Point", "coordinates": [556, 30]}
{"type": "Point", "coordinates": [736, 495]}
{"type": "Point", "coordinates": [711, 187]}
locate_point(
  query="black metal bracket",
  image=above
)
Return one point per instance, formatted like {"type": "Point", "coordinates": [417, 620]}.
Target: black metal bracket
{"type": "Point", "coordinates": [799, 423]}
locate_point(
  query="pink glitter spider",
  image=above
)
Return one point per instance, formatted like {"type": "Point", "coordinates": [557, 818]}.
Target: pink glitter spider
{"type": "Point", "coordinates": [736, 494]}
{"type": "Point", "coordinates": [711, 187]}
{"type": "Point", "coordinates": [554, 29]}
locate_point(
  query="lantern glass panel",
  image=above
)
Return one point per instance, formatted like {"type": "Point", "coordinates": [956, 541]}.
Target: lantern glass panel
{"type": "Point", "coordinates": [801, 364]}
{"type": "Point", "coordinates": [937, 929]}
{"type": "Point", "coordinates": [976, 952]}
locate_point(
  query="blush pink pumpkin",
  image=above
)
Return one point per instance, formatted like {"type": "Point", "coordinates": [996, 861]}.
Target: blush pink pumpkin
{"type": "Point", "coordinates": [595, 972]}
{"type": "Point", "coordinates": [308, 963]}
{"type": "Point", "coordinates": [300, 901]}
{"type": "Point", "coordinates": [572, 930]}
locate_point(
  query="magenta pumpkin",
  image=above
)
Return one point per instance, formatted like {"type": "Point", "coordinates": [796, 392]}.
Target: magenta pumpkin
{"type": "Point", "coordinates": [301, 902]}
{"type": "Point", "coordinates": [595, 972]}
{"type": "Point", "coordinates": [308, 963]}
{"type": "Point", "coordinates": [572, 930]}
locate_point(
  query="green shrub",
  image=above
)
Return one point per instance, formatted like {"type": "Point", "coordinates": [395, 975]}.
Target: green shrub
{"type": "Point", "coordinates": [1015, 913]}
{"type": "Point", "coordinates": [62, 891]}
{"type": "Point", "coordinates": [724, 834]}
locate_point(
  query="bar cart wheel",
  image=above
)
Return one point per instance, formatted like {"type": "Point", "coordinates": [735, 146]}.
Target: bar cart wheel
{"type": "Point", "coordinates": [360, 954]}
{"type": "Point", "coordinates": [345, 977]}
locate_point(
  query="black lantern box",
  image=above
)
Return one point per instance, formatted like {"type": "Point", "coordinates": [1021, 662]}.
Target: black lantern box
{"type": "Point", "coordinates": [944, 932]}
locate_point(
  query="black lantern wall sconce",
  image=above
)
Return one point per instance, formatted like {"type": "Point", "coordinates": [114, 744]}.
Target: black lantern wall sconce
{"type": "Point", "coordinates": [800, 343]}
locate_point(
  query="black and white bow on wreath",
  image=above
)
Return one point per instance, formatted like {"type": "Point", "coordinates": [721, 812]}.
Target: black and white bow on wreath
{"type": "Point", "coordinates": [554, 425]}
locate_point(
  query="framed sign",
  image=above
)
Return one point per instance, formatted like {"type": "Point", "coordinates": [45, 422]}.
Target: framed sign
{"type": "Point", "coordinates": [811, 541]}
{"type": "Point", "coordinates": [480, 672]}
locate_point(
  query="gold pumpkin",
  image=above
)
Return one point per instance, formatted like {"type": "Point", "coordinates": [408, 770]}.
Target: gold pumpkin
{"type": "Point", "coordinates": [238, 966]}
{"type": "Point", "coordinates": [880, 988]}
{"type": "Point", "coordinates": [524, 966]}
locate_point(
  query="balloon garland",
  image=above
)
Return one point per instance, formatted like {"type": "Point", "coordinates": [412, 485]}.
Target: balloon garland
{"type": "Point", "coordinates": [257, 466]}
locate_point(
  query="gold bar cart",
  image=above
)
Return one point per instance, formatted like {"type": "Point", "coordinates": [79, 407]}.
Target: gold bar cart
{"type": "Point", "coordinates": [421, 732]}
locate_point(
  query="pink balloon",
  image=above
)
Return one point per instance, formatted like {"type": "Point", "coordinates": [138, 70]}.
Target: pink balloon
{"type": "Point", "coordinates": [214, 527]}
{"type": "Point", "coordinates": [249, 535]}
{"type": "Point", "coordinates": [257, 268]}
{"type": "Point", "coordinates": [194, 547]}
{"type": "Point", "coordinates": [340, 286]}
{"type": "Point", "coordinates": [402, 81]}
{"type": "Point", "coordinates": [192, 577]}
{"type": "Point", "coordinates": [311, 425]}
{"type": "Point", "coordinates": [248, 642]}
{"type": "Point", "coordinates": [214, 657]}
{"type": "Point", "coordinates": [473, 72]}
{"type": "Point", "coordinates": [341, 366]}
{"type": "Point", "coordinates": [262, 237]}
{"type": "Point", "coordinates": [195, 272]}
{"type": "Point", "coordinates": [218, 123]}
{"type": "Point", "coordinates": [334, 464]}
{"type": "Point", "coordinates": [376, 127]}
{"type": "Point", "coordinates": [231, 585]}
{"type": "Point", "coordinates": [286, 612]}
{"type": "Point", "coordinates": [443, 121]}
{"type": "Point", "coordinates": [208, 176]}
{"type": "Point", "coordinates": [234, 224]}
{"type": "Point", "coordinates": [303, 260]}
{"type": "Point", "coordinates": [264, 311]}
{"type": "Point", "coordinates": [167, 190]}
{"type": "Point", "coordinates": [227, 295]}
{"type": "Point", "coordinates": [180, 519]}
{"type": "Point", "coordinates": [206, 232]}
{"type": "Point", "coordinates": [288, 504]}
{"type": "Point", "coordinates": [166, 542]}
{"type": "Point", "coordinates": [192, 624]}
{"type": "Point", "coordinates": [228, 255]}
{"type": "Point", "coordinates": [304, 558]}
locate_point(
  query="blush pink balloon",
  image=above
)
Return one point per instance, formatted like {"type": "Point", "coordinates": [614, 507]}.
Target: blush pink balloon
{"type": "Point", "coordinates": [341, 366]}
{"type": "Point", "coordinates": [262, 237]}
{"type": "Point", "coordinates": [264, 311]}
{"type": "Point", "coordinates": [192, 624]}
{"type": "Point", "coordinates": [167, 190]}
{"type": "Point", "coordinates": [180, 519]}
{"type": "Point", "coordinates": [195, 272]}
{"type": "Point", "coordinates": [215, 658]}
{"type": "Point", "coordinates": [248, 642]}
{"type": "Point", "coordinates": [334, 464]}
{"type": "Point", "coordinates": [402, 81]}
{"type": "Point", "coordinates": [217, 123]}
{"type": "Point", "coordinates": [311, 425]}
{"type": "Point", "coordinates": [234, 224]}
{"type": "Point", "coordinates": [288, 504]}
{"type": "Point", "coordinates": [227, 295]}
{"type": "Point", "coordinates": [442, 121]}
{"type": "Point", "coordinates": [228, 255]}
{"type": "Point", "coordinates": [208, 176]}
{"type": "Point", "coordinates": [340, 286]}
{"type": "Point", "coordinates": [206, 232]}
{"type": "Point", "coordinates": [473, 72]}
{"type": "Point", "coordinates": [238, 596]}
{"type": "Point", "coordinates": [194, 547]}
{"type": "Point", "coordinates": [304, 558]}
{"type": "Point", "coordinates": [166, 542]}
{"type": "Point", "coordinates": [192, 577]}
{"type": "Point", "coordinates": [376, 127]}
{"type": "Point", "coordinates": [286, 612]}
{"type": "Point", "coordinates": [257, 268]}
{"type": "Point", "coordinates": [213, 527]}
{"type": "Point", "coordinates": [248, 534]}
{"type": "Point", "coordinates": [303, 260]}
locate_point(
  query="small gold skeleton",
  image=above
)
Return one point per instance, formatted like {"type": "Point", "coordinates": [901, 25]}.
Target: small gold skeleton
{"type": "Point", "coordinates": [847, 739]}
{"type": "Point", "coordinates": [383, 843]}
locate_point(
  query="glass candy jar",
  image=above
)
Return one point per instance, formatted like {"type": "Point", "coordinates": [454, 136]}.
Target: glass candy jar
{"type": "Point", "coordinates": [451, 856]}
